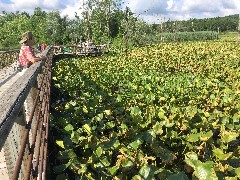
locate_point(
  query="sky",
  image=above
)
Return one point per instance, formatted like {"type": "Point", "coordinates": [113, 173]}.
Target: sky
{"type": "Point", "coordinates": [152, 11]}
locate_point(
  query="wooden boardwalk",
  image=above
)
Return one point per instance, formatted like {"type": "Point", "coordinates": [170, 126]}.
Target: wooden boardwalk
{"type": "Point", "coordinates": [9, 83]}
{"type": "Point", "coordinates": [8, 77]}
{"type": "Point", "coordinates": [93, 50]}
{"type": "Point", "coordinates": [3, 167]}
{"type": "Point", "coordinates": [6, 82]}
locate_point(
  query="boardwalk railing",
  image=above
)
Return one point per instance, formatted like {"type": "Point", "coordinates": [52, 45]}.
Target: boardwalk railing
{"type": "Point", "coordinates": [24, 117]}
{"type": "Point", "coordinates": [78, 50]}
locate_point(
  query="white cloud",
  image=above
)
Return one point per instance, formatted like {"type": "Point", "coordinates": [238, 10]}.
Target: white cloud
{"type": "Point", "coordinates": [52, 4]}
{"type": "Point", "coordinates": [170, 4]}
{"type": "Point", "coordinates": [71, 8]}
{"type": "Point", "coordinates": [183, 9]}
{"type": "Point", "coordinates": [66, 7]}
{"type": "Point", "coordinates": [186, 9]}
{"type": "Point", "coordinates": [144, 7]}
{"type": "Point", "coordinates": [6, 7]}
{"type": "Point", "coordinates": [150, 10]}
{"type": "Point", "coordinates": [30, 5]}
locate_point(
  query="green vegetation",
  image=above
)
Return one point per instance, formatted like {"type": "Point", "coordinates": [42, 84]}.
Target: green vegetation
{"type": "Point", "coordinates": [168, 111]}
{"type": "Point", "coordinates": [148, 110]}
{"type": "Point", "coordinates": [218, 24]}
{"type": "Point", "coordinates": [51, 28]}
{"type": "Point", "coordinates": [106, 23]}
{"type": "Point", "coordinates": [229, 36]}
{"type": "Point", "coordinates": [187, 36]}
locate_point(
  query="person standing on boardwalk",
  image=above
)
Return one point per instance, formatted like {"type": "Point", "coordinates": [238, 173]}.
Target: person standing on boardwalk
{"type": "Point", "coordinates": [39, 47]}
{"type": "Point", "coordinates": [44, 46]}
{"type": "Point", "coordinates": [26, 56]}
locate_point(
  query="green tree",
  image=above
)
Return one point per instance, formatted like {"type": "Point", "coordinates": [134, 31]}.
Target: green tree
{"type": "Point", "coordinates": [53, 27]}
{"type": "Point", "coordinates": [11, 30]}
{"type": "Point", "coordinates": [99, 17]}
{"type": "Point", "coordinates": [38, 25]}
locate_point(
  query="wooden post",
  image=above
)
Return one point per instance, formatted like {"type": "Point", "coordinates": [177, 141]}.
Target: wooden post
{"type": "Point", "coordinates": [239, 27]}
{"type": "Point", "coordinates": [161, 25]}
{"type": "Point", "coordinates": [86, 19]}
{"type": "Point", "coordinates": [126, 29]}
{"type": "Point", "coordinates": [161, 28]}
{"type": "Point", "coordinates": [164, 22]}
{"type": "Point", "coordinates": [108, 25]}
{"type": "Point", "coordinates": [100, 24]}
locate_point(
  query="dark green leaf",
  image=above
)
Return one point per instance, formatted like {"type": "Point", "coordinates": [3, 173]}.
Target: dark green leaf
{"type": "Point", "coordinates": [178, 176]}
{"type": "Point", "coordinates": [62, 177]}
{"type": "Point", "coordinates": [61, 168]}
{"type": "Point", "coordinates": [145, 172]}
{"type": "Point", "coordinates": [193, 137]}
{"type": "Point", "coordinates": [221, 155]}
{"type": "Point", "coordinates": [69, 128]}
{"type": "Point", "coordinates": [113, 170]}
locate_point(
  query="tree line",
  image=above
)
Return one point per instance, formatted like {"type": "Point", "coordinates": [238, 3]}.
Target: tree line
{"type": "Point", "coordinates": [102, 20]}
{"type": "Point", "coordinates": [218, 24]}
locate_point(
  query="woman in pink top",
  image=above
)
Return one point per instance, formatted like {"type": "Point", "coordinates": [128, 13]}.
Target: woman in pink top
{"type": "Point", "coordinates": [26, 55]}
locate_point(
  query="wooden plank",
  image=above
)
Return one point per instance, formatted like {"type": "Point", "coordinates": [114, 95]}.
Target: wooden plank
{"type": "Point", "coordinates": [3, 166]}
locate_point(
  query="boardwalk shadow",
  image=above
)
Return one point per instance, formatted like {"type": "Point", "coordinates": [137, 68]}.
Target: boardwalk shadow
{"type": "Point", "coordinates": [93, 101]}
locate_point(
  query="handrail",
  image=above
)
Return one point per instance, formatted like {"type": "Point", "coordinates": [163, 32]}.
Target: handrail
{"type": "Point", "coordinates": [80, 50]}
{"type": "Point", "coordinates": [32, 143]}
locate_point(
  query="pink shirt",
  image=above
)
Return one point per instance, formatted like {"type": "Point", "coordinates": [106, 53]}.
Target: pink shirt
{"type": "Point", "coordinates": [25, 55]}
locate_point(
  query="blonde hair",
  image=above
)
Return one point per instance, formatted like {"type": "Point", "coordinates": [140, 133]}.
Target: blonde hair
{"type": "Point", "coordinates": [26, 36]}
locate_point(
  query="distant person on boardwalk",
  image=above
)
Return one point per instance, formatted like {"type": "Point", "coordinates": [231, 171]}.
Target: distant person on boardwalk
{"type": "Point", "coordinates": [44, 46]}
{"type": "Point", "coordinates": [26, 56]}
{"type": "Point", "coordinates": [89, 42]}
{"type": "Point", "coordinates": [39, 47]}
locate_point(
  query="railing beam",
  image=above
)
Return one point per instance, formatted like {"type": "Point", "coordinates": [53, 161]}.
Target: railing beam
{"type": "Point", "coordinates": [11, 105]}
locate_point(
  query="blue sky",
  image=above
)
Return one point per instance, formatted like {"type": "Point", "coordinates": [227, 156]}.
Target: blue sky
{"type": "Point", "coordinates": [5, 1]}
{"type": "Point", "coordinates": [149, 10]}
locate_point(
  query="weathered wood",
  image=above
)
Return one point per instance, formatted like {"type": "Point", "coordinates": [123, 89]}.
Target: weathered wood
{"type": "Point", "coordinates": [12, 145]}
{"type": "Point", "coordinates": [16, 97]}
{"type": "Point", "coordinates": [80, 50]}
{"type": "Point", "coordinates": [11, 103]}
{"type": "Point", "coordinates": [6, 74]}
{"type": "Point", "coordinates": [3, 166]}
